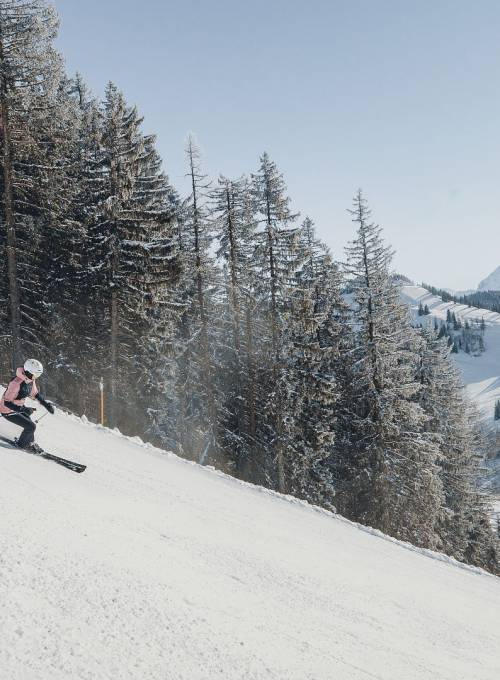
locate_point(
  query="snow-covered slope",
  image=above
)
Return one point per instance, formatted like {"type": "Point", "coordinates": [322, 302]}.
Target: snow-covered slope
{"type": "Point", "coordinates": [148, 567]}
{"type": "Point", "coordinates": [491, 282]}
{"type": "Point", "coordinates": [481, 374]}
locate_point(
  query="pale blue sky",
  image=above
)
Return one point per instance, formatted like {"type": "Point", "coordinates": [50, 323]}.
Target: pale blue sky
{"type": "Point", "coordinates": [400, 97]}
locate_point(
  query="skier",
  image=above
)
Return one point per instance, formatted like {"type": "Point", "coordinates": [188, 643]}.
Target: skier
{"type": "Point", "coordinates": [12, 403]}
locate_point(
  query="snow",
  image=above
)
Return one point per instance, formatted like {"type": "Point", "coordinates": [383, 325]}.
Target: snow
{"type": "Point", "coordinates": [148, 567]}
{"type": "Point", "coordinates": [481, 374]}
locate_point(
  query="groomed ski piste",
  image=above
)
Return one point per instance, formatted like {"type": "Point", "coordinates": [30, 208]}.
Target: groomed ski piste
{"type": "Point", "coordinates": [149, 567]}
{"type": "Point", "coordinates": [481, 374]}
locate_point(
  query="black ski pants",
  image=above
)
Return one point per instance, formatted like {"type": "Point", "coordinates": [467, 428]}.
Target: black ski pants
{"type": "Point", "coordinates": [28, 434]}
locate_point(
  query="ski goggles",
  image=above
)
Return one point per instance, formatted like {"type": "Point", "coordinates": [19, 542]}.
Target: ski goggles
{"type": "Point", "coordinates": [32, 376]}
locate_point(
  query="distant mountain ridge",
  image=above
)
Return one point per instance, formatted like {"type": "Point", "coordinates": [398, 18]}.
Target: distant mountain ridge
{"type": "Point", "coordinates": [459, 293]}
{"type": "Point", "coordinates": [491, 282]}
{"type": "Point", "coordinates": [481, 299]}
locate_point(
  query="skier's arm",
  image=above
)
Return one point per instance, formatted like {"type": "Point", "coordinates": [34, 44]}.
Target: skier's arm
{"type": "Point", "coordinates": [48, 405]}
{"type": "Point", "coordinates": [12, 406]}
{"type": "Point", "coordinates": [10, 395]}
{"type": "Point", "coordinates": [19, 409]}
{"type": "Point", "coordinates": [12, 390]}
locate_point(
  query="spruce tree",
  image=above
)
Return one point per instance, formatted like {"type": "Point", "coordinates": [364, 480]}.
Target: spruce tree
{"type": "Point", "coordinates": [63, 253]}
{"type": "Point", "coordinates": [195, 411]}
{"type": "Point", "coordinates": [277, 261]}
{"type": "Point", "coordinates": [317, 331]}
{"type": "Point", "coordinates": [30, 71]}
{"type": "Point", "coordinates": [385, 464]}
{"type": "Point", "coordinates": [235, 226]}
{"type": "Point", "coordinates": [461, 527]}
{"type": "Point", "coordinates": [131, 254]}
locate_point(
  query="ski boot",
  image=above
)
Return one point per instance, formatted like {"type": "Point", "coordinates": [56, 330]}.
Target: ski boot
{"type": "Point", "coordinates": [31, 448]}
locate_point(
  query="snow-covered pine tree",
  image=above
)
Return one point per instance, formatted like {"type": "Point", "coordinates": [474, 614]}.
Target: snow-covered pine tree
{"type": "Point", "coordinates": [30, 71]}
{"type": "Point", "coordinates": [155, 268]}
{"type": "Point", "coordinates": [62, 252]}
{"type": "Point", "coordinates": [317, 339]}
{"type": "Point", "coordinates": [461, 527]}
{"type": "Point", "coordinates": [387, 476]}
{"type": "Point", "coordinates": [78, 351]}
{"type": "Point", "coordinates": [193, 421]}
{"type": "Point", "coordinates": [277, 260]}
{"type": "Point", "coordinates": [131, 255]}
{"type": "Point", "coordinates": [234, 222]}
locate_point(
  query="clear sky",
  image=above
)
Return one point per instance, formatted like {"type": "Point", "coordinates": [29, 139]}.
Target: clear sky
{"type": "Point", "coordinates": [399, 97]}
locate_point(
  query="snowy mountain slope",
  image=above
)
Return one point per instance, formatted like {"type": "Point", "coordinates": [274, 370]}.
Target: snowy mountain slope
{"type": "Point", "coordinates": [491, 282]}
{"type": "Point", "coordinates": [481, 374]}
{"type": "Point", "coordinates": [150, 567]}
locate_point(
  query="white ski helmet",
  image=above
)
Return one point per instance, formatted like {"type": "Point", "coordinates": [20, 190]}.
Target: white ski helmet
{"type": "Point", "coordinates": [34, 367]}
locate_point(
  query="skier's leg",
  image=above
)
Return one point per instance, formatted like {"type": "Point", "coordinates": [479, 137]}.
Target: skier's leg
{"type": "Point", "coordinates": [28, 434]}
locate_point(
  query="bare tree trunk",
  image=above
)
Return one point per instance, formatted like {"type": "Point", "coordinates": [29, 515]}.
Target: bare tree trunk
{"type": "Point", "coordinates": [250, 467]}
{"type": "Point", "coordinates": [236, 321]}
{"type": "Point", "coordinates": [10, 227]}
{"type": "Point", "coordinates": [201, 305]}
{"type": "Point", "coordinates": [280, 457]}
{"type": "Point", "coordinates": [371, 324]}
{"type": "Point", "coordinates": [234, 273]}
{"type": "Point", "coordinates": [113, 357]}
{"type": "Point", "coordinates": [280, 460]}
{"type": "Point", "coordinates": [272, 269]}
{"type": "Point", "coordinates": [113, 309]}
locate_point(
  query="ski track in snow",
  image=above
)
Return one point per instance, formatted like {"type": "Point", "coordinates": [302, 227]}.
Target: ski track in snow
{"type": "Point", "coordinates": [149, 567]}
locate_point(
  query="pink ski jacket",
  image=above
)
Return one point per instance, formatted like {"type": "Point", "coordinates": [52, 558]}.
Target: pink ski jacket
{"type": "Point", "coordinates": [12, 391]}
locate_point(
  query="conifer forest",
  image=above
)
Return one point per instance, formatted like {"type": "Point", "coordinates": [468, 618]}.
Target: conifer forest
{"type": "Point", "coordinates": [223, 328]}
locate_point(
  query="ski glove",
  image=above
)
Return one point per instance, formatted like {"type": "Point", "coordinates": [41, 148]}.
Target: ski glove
{"type": "Point", "coordinates": [27, 410]}
{"type": "Point", "coordinates": [13, 407]}
{"type": "Point", "coordinates": [48, 405]}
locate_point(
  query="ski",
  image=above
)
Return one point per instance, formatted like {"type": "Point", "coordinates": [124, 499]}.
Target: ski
{"type": "Point", "coordinates": [69, 464]}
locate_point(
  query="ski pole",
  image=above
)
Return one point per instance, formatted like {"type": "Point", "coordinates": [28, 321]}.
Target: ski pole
{"type": "Point", "coordinates": [39, 419]}
{"type": "Point", "coordinates": [101, 388]}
